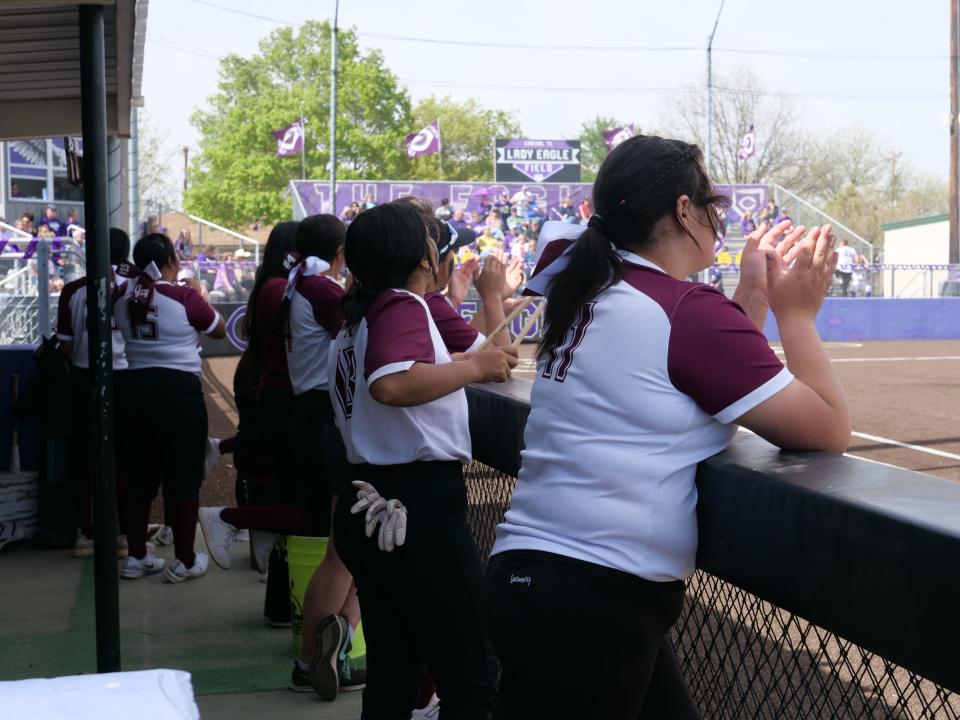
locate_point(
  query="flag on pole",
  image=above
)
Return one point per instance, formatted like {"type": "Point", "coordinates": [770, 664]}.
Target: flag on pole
{"type": "Point", "coordinates": [289, 139]}
{"type": "Point", "coordinates": [425, 142]}
{"type": "Point", "coordinates": [616, 136]}
{"type": "Point", "coordinates": [748, 145]}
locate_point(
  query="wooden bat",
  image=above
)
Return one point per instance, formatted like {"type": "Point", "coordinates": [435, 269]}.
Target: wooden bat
{"type": "Point", "coordinates": [503, 324]}
{"type": "Point", "coordinates": [528, 326]}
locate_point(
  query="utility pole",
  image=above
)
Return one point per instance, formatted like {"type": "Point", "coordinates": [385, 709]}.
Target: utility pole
{"type": "Point", "coordinates": [954, 162]}
{"type": "Point", "coordinates": [333, 110]}
{"type": "Point", "coordinates": [186, 164]}
{"type": "Point", "coordinates": [709, 148]}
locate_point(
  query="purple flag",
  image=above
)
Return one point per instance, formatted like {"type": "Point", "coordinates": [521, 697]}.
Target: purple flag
{"type": "Point", "coordinates": [289, 139]}
{"type": "Point", "coordinates": [616, 136]}
{"type": "Point", "coordinates": [748, 145]}
{"type": "Point", "coordinates": [425, 142]}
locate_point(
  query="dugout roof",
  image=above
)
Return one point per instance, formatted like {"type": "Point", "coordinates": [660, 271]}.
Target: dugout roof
{"type": "Point", "coordinates": [40, 65]}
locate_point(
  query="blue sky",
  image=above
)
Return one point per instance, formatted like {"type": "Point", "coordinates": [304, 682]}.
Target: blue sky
{"type": "Point", "coordinates": [882, 65]}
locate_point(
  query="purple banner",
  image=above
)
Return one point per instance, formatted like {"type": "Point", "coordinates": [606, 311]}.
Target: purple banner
{"type": "Point", "coordinates": [425, 142]}
{"type": "Point", "coordinates": [616, 136]}
{"type": "Point", "coordinates": [289, 139]}
{"type": "Point", "coordinates": [313, 197]}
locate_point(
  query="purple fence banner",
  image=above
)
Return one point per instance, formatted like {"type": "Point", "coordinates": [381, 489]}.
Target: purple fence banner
{"type": "Point", "coordinates": [522, 160]}
{"type": "Point", "coordinates": [313, 196]}
{"type": "Point", "coordinates": [289, 139]}
{"type": "Point", "coordinates": [616, 136]}
{"type": "Point", "coordinates": [425, 142]}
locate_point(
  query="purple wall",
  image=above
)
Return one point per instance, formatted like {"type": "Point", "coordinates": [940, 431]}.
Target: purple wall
{"type": "Point", "coordinates": [849, 319]}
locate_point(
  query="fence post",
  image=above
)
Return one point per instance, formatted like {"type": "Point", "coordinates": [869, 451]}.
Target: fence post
{"type": "Point", "coordinates": [43, 289]}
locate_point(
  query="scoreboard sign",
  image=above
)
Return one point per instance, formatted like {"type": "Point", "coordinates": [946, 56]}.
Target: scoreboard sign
{"type": "Point", "coordinates": [520, 160]}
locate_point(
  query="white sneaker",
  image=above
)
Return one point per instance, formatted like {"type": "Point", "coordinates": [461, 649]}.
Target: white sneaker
{"type": "Point", "coordinates": [82, 547]}
{"type": "Point", "coordinates": [430, 712]}
{"type": "Point", "coordinates": [218, 534]}
{"type": "Point", "coordinates": [178, 572]}
{"type": "Point", "coordinates": [133, 568]}
{"type": "Point", "coordinates": [262, 543]}
{"type": "Point", "coordinates": [243, 535]}
{"type": "Point", "coordinates": [10, 532]}
{"type": "Point", "coordinates": [212, 456]}
{"type": "Point", "coordinates": [164, 536]}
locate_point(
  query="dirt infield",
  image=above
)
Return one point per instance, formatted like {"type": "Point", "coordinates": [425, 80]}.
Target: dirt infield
{"type": "Point", "coordinates": [905, 398]}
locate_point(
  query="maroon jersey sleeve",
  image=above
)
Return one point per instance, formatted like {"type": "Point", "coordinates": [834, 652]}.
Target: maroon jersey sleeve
{"type": "Point", "coordinates": [398, 334]}
{"type": "Point", "coordinates": [716, 354]}
{"type": "Point", "coordinates": [458, 335]}
{"type": "Point", "coordinates": [200, 313]}
{"type": "Point", "coordinates": [64, 314]}
{"type": "Point", "coordinates": [324, 296]}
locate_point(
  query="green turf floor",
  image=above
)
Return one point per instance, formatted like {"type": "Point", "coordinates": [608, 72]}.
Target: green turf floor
{"type": "Point", "coordinates": [211, 627]}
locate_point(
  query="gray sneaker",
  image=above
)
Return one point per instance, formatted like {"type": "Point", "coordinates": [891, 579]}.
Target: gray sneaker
{"type": "Point", "coordinates": [177, 572]}
{"type": "Point", "coordinates": [333, 636]}
{"type": "Point", "coordinates": [148, 565]}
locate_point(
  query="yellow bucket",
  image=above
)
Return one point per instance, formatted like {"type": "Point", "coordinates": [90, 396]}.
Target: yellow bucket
{"type": "Point", "coordinates": [304, 554]}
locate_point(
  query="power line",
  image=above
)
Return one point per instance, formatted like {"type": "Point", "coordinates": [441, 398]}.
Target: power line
{"type": "Point", "coordinates": [173, 45]}
{"type": "Point", "coordinates": [831, 96]}
{"type": "Point", "coordinates": [547, 88]}
{"type": "Point", "coordinates": [235, 11]}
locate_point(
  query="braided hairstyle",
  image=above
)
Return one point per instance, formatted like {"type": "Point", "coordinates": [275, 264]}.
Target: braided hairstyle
{"type": "Point", "coordinates": [636, 187]}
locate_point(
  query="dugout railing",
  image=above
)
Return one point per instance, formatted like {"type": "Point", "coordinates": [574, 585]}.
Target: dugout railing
{"type": "Point", "coordinates": [826, 586]}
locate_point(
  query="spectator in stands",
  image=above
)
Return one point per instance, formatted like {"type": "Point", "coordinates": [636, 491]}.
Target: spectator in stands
{"type": "Point", "coordinates": [567, 212]}
{"type": "Point", "coordinates": [486, 240]}
{"type": "Point", "coordinates": [772, 210]}
{"type": "Point", "coordinates": [458, 220]}
{"type": "Point", "coordinates": [350, 212]}
{"type": "Point", "coordinates": [483, 210]}
{"type": "Point", "coordinates": [784, 215]}
{"type": "Point", "coordinates": [514, 221]}
{"type": "Point", "coordinates": [15, 191]}
{"type": "Point", "coordinates": [586, 211]}
{"type": "Point", "coordinates": [748, 224]}
{"type": "Point", "coordinates": [27, 223]}
{"type": "Point", "coordinates": [716, 278]}
{"type": "Point", "coordinates": [368, 202]}
{"type": "Point", "coordinates": [444, 212]}
{"type": "Point", "coordinates": [150, 225]}
{"type": "Point", "coordinates": [847, 257]}
{"type": "Point", "coordinates": [51, 220]}
{"type": "Point", "coordinates": [764, 218]}
{"type": "Point", "coordinates": [533, 229]}
{"type": "Point", "coordinates": [503, 208]}
{"type": "Point", "coordinates": [184, 244]}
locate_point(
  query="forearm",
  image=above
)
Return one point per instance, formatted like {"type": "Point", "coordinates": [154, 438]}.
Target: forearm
{"type": "Point", "coordinates": [754, 304]}
{"type": "Point", "coordinates": [492, 311]}
{"type": "Point", "coordinates": [422, 383]}
{"type": "Point", "coordinates": [808, 361]}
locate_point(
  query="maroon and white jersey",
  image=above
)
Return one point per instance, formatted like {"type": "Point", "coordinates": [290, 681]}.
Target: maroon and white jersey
{"type": "Point", "coordinates": [72, 326]}
{"type": "Point", "coordinates": [269, 328]}
{"type": "Point", "coordinates": [647, 383]}
{"type": "Point", "coordinates": [315, 319]}
{"type": "Point", "coordinates": [168, 338]}
{"type": "Point", "coordinates": [458, 334]}
{"type": "Point", "coordinates": [396, 332]}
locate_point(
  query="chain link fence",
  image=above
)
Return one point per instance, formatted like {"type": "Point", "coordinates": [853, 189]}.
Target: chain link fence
{"type": "Point", "coordinates": [745, 658]}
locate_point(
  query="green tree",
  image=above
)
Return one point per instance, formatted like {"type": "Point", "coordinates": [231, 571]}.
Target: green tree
{"type": "Point", "coordinates": [467, 131]}
{"type": "Point", "coordinates": [237, 177]}
{"type": "Point", "coordinates": [593, 149]}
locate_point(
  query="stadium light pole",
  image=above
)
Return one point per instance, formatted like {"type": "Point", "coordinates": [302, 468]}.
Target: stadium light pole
{"type": "Point", "coordinates": [709, 149]}
{"type": "Point", "coordinates": [954, 201]}
{"type": "Point", "coordinates": [333, 109]}
{"type": "Point", "coordinates": [93, 113]}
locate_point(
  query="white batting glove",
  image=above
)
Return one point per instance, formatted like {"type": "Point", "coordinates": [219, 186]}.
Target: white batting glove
{"type": "Point", "coordinates": [391, 515]}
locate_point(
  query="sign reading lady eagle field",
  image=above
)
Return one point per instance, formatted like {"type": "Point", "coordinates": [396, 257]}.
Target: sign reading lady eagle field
{"type": "Point", "coordinates": [537, 161]}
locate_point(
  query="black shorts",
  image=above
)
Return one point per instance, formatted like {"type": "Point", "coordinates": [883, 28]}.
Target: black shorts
{"type": "Point", "coordinates": [313, 427]}
{"type": "Point", "coordinates": [163, 431]}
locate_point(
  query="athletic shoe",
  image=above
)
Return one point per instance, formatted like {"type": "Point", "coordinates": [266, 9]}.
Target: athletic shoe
{"type": "Point", "coordinates": [262, 543]}
{"type": "Point", "coordinates": [332, 642]}
{"type": "Point", "coordinates": [153, 529]}
{"type": "Point", "coordinates": [430, 712]}
{"type": "Point", "coordinates": [218, 534]}
{"type": "Point", "coordinates": [299, 679]}
{"type": "Point", "coordinates": [212, 456]}
{"type": "Point", "coordinates": [283, 623]}
{"type": "Point", "coordinates": [352, 677]}
{"type": "Point", "coordinates": [178, 572]}
{"type": "Point", "coordinates": [164, 536]}
{"type": "Point", "coordinates": [83, 547]}
{"type": "Point", "coordinates": [243, 535]}
{"type": "Point", "coordinates": [133, 568]}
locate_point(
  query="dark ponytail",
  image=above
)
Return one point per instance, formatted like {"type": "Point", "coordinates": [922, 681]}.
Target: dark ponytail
{"type": "Point", "coordinates": [637, 186]}
{"type": "Point", "coordinates": [154, 248]}
{"type": "Point", "coordinates": [278, 245]}
{"type": "Point", "coordinates": [384, 246]}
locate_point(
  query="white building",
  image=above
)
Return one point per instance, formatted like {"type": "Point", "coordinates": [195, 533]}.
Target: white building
{"type": "Point", "coordinates": [923, 241]}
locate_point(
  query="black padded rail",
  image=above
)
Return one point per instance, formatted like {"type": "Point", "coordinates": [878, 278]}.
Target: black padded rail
{"type": "Point", "coordinates": [867, 551]}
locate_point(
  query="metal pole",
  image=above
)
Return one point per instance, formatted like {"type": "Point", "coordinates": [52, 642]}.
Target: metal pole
{"type": "Point", "coordinates": [709, 148]}
{"type": "Point", "coordinates": [43, 288]}
{"type": "Point", "coordinates": [954, 250]}
{"type": "Point", "coordinates": [93, 110]}
{"type": "Point", "coordinates": [134, 176]}
{"type": "Point", "coordinates": [333, 110]}
{"type": "Point", "coordinates": [186, 166]}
